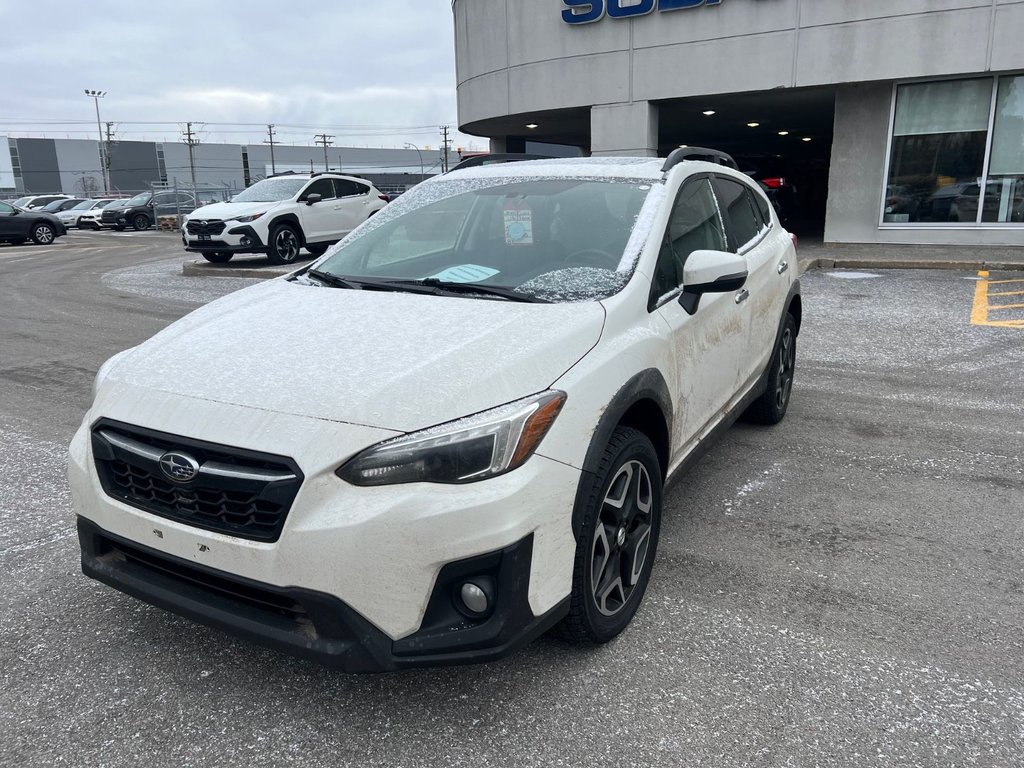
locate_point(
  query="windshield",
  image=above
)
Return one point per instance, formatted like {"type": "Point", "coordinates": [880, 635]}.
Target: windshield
{"type": "Point", "coordinates": [554, 239]}
{"type": "Point", "coordinates": [105, 203]}
{"type": "Point", "coordinates": [138, 199]}
{"type": "Point", "coordinates": [20, 202]}
{"type": "Point", "coordinates": [270, 191]}
{"type": "Point", "coordinates": [84, 205]}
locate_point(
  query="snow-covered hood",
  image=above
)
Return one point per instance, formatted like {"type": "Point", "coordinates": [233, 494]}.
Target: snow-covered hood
{"type": "Point", "coordinates": [228, 211]}
{"type": "Point", "coordinates": [397, 361]}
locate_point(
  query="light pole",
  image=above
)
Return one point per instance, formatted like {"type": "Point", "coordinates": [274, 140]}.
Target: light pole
{"type": "Point", "coordinates": [104, 150]}
{"type": "Point", "coordinates": [408, 144]}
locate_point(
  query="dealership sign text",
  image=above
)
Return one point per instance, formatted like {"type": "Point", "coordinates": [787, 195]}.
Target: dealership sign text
{"type": "Point", "coordinates": [586, 11]}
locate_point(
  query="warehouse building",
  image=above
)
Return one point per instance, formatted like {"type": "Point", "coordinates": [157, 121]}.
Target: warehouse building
{"type": "Point", "coordinates": [895, 121]}
{"type": "Point", "coordinates": [74, 166]}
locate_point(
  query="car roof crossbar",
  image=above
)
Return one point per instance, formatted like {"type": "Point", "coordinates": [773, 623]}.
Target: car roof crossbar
{"type": "Point", "coordinates": [698, 153]}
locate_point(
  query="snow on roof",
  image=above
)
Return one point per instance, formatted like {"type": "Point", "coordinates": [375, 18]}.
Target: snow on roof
{"type": "Point", "coordinates": [590, 167]}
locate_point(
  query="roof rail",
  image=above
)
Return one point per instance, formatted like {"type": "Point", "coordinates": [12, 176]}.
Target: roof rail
{"type": "Point", "coordinates": [698, 153]}
{"type": "Point", "coordinates": [284, 173]}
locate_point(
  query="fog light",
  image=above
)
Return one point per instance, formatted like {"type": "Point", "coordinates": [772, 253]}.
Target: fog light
{"type": "Point", "coordinates": [246, 242]}
{"type": "Point", "coordinates": [474, 599]}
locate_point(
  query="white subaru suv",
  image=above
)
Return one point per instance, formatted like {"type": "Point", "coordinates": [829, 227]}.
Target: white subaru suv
{"type": "Point", "coordinates": [500, 371]}
{"type": "Point", "coordinates": [282, 214]}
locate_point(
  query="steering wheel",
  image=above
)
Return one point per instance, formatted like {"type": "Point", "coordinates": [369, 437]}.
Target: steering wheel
{"type": "Point", "coordinates": [592, 257]}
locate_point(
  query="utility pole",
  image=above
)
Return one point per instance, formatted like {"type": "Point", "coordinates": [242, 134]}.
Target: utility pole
{"type": "Point", "coordinates": [326, 141]}
{"type": "Point", "coordinates": [104, 150]}
{"type": "Point", "coordinates": [191, 140]}
{"type": "Point", "coordinates": [271, 142]}
{"type": "Point", "coordinates": [444, 149]}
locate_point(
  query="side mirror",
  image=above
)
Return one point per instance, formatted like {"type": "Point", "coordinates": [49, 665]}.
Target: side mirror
{"type": "Point", "coordinates": [711, 272]}
{"type": "Point", "coordinates": [314, 198]}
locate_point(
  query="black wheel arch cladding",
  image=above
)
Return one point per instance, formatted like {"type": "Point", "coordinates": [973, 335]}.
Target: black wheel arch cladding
{"type": "Point", "coordinates": [647, 386]}
{"type": "Point", "coordinates": [290, 219]}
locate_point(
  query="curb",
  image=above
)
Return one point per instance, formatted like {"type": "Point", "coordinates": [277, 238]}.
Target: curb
{"type": "Point", "coordinates": [203, 268]}
{"type": "Point", "coordinates": [972, 265]}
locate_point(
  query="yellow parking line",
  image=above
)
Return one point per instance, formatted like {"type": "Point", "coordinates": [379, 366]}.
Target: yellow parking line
{"type": "Point", "coordinates": [982, 307]}
{"type": "Point", "coordinates": [979, 312]}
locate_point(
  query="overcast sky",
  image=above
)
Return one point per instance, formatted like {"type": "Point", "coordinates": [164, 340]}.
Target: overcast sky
{"type": "Point", "coordinates": [371, 72]}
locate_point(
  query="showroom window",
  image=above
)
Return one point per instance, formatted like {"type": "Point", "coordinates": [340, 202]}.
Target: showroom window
{"type": "Point", "coordinates": [942, 135]}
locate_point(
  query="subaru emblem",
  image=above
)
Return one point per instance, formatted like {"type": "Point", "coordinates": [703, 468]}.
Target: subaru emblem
{"type": "Point", "coordinates": [178, 467]}
{"type": "Point", "coordinates": [204, 223]}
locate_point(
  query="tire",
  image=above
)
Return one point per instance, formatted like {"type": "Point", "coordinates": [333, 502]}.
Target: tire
{"type": "Point", "coordinates": [220, 257]}
{"type": "Point", "coordinates": [43, 234]}
{"type": "Point", "coordinates": [317, 249]}
{"type": "Point", "coordinates": [621, 520]}
{"type": "Point", "coordinates": [140, 222]}
{"type": "Point", "coordinates": [770, 408]}
{"type": "Point", "coordinates": [284, 245]}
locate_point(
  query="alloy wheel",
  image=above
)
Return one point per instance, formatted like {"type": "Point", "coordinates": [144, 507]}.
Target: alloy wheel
{"type": "Point", "coordinates": [622, 538]}
{"type": "Point", "coordinates": [44, 235]}
{"type": "Point", "coordinates": [287, 245]}
{"type": "Point", "coordinates": [787, 360]}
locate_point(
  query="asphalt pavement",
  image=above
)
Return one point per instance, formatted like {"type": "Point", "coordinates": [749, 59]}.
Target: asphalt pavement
{"type": "Point", "coordinates": [844, 589]}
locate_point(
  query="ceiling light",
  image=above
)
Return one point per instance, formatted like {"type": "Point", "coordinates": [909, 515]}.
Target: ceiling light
{"type": "Point", "coordinates": [806, 138]}
{"type": "Point", "coordinates": [531, 126]}
{"type": "Point", "coordinates": [783, 133]}
{"type": "Point", "coordinates": [708, 112]}
{"type": "Point", "coordinates": [752, 125]}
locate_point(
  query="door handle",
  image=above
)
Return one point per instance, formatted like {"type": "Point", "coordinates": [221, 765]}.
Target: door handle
{"type": "Point", "coordinates": [783, 266]}
{"type": "Point", "coordinates": [742, 296]}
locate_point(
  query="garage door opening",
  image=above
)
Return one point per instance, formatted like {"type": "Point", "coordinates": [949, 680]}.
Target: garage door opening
{"type": "Point", "coordinates": [782, 138]}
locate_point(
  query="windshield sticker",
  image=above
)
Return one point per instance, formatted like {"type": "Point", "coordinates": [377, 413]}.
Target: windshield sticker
{"type": "Point", "coordinates": [465, 273]}
{"type": "Point", "coordinates": [518, 225]}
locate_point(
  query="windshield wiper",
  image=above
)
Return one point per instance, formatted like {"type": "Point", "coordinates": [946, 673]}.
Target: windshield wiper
{"type": "Point", "coordinates": [431, 285]}
{"type": "Point", "coordinates": [328, 278]}
{"type": "Point", "coordinates": [448, 286]}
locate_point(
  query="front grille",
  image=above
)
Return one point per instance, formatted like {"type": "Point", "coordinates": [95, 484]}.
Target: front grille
{"type": "Point", "coordinates": [238, 492]}
{"type": "Point", "coordinates": [205, 227]}
{"type": "Point", "coordinates": [109, 215]}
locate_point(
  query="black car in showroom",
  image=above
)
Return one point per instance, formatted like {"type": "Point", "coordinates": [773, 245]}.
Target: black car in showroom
{"type": "Point", "coordinates": [18, 225]}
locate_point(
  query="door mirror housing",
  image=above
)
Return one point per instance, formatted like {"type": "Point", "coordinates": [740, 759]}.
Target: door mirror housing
{"type": "Point", "coordinates": [314, 198]}
{"type": "Point", "coordinates": [711, 272]}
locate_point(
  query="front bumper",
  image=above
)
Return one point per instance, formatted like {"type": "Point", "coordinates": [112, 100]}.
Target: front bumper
{"type": "Point", "coordinates": [319, 626]}
{"type": "Point", "coordinates": [237, 239]}
{"type": "Point", "coordinates": [378, 554]}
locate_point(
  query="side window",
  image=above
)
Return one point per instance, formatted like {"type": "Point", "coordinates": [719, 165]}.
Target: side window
{"type": "Point", "coordinates": [322, 187]}
{"type": "Point", "coordinates": [5, 208]}
{"type": "Point", "coordinates": [694, 225]}
{"type": "Point", "coordinates": [764, 207]}
{"type": "Point", "coordinates": [742, 217]}
{"type": "Point", "coordinates": [348, 188]}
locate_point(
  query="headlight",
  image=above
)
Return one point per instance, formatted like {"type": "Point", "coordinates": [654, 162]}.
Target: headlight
{"type": "Point", "coordinates": [463, 451]}
{"type": "Point", "coordinates": [101, 374]}
{"type": "Point", "coordinates": [251, 217]}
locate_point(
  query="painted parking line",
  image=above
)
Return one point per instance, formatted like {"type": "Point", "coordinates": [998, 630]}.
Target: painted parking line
{"type": "Point", "coordinates": [995, 302]}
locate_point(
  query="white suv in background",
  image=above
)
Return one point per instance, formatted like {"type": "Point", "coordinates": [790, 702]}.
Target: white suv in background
{"type": "Point", "coordinates": [282, 214]}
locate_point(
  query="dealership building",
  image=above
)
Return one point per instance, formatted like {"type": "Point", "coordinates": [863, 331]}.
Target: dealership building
{"type": "Point", "coordinates": [896, 121]}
